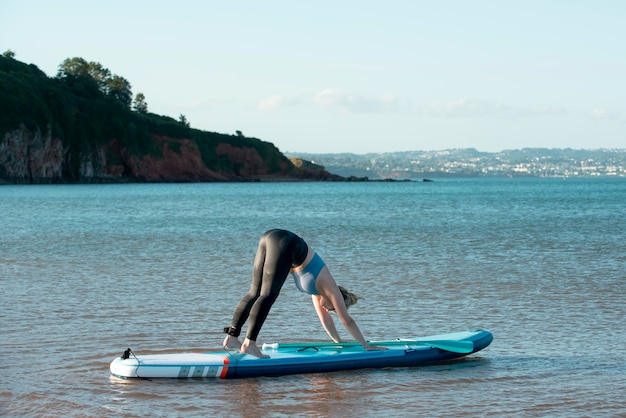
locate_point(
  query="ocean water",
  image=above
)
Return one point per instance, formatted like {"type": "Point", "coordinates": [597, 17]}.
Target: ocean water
{"type": "Point", "coordinates": [89, 270]}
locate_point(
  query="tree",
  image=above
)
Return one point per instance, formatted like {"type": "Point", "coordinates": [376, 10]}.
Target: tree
{"type": "Point", "coordinates": [101, 75]}
{"type": "Point", "coordinates": [75, 73]}
{"type": "Point", "coordinates": [108, 84]}
{"type": "Point", "coordinates": [140, 105]}
{"type": "Point", "coordinates": [73, 67]}
{"type": "Point", "coordinates": [182, 119]}
{"type": "Point", "coordinates": [9, 54]}
{"type": "Point", "coordinates": [119, 88]}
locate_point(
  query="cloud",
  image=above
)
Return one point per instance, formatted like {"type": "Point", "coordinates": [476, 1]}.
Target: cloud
{"type": "Point", "coordinates": [355, 103]}
{"type": "Point", "coordinates": [282, 101]}
{"type": "Point", "coordinates": [604, 114]}
{"type": "Point", "coordinates": [272, 103]}
{"type": "Point", "coordinates": [458, 108]}
{"type": "Point", "coordinates": [331, 99]}
{"type": "Point", "coordinates": [454, 108]}
{"type": "Point", "coordinates": [466, 108]}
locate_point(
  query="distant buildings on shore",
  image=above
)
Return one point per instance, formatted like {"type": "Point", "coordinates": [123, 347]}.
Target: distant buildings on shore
{"type": "Point", "coordinates": [529, 162]}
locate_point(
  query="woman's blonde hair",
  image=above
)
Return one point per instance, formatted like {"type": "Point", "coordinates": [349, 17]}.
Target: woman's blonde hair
{"type": "Point", "coordinates": [348, 297]}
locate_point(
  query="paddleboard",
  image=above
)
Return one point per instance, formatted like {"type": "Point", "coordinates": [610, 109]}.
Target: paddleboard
{"type": "Point", "coordinates": [305, 357]}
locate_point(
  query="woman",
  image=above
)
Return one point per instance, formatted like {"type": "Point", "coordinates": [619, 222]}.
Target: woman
{"type": "Point", "coordinates": [281, 252]}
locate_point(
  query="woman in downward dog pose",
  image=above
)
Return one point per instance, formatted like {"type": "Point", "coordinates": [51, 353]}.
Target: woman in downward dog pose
{"type": "Point", "coordinates": [281, 252]}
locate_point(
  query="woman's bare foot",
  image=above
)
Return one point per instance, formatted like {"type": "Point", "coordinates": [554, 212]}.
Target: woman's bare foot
{"type": "Point", "coordinates": [249, 347]}
{"type": "Point", "coordinates": [232, 343]}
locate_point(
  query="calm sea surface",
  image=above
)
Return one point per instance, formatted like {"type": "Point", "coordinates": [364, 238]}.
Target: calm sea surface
{"type": "Point", "coordinates": [89, 270]}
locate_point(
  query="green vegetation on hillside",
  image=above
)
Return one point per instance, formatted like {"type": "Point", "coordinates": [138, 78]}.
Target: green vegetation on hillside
{"type": "Point", "coordinates": [85, 105]}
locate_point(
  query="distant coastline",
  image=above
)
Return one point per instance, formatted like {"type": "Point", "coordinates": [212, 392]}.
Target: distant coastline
{"type": "Point", "coordinates": [527, 162]}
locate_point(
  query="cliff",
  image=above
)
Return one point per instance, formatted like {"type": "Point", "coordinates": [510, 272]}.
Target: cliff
{"type": "Point", "coordinates": [64, 130]}
{"type": "Point", "coordinates": [33, 156]}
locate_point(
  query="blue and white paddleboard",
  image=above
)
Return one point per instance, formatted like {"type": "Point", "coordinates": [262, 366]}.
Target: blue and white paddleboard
{"type": "Point", "coordinates": [301, 358]}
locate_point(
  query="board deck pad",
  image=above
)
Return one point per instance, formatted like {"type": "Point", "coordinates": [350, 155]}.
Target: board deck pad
{"type": "Point", "coordinates": [305, 357]}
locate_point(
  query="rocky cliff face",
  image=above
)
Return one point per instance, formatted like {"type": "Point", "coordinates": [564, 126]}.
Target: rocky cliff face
{"type": "Point", "coordinates": [35, 156]}
{"type": "Point", "coordinates": [31, 157]}
{"type": "Point", "coordinates": [183, 164]}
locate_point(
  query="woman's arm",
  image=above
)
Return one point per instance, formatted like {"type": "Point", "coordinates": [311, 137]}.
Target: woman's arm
{"type": "Point", "coordinates": [326, 320]}
{"type": "Point", "coordinates": [328, 288]}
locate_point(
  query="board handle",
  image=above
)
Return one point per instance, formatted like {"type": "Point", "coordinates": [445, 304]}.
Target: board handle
{"type": "Point", "coordinates": [270, 346]}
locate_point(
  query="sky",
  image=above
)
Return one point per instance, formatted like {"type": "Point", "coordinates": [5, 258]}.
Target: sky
{"type": "Point", "coordinates": [354, 76]}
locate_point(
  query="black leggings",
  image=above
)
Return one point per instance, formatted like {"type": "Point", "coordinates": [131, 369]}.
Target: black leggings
{"type": "Point", "coordinates": [278, 252]}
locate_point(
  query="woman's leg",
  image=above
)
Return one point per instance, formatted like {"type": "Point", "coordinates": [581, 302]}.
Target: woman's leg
{"type": "Point", "coordinates": [273, 271]}
{"type": "Point", "coordinates": [272, 263]}
{"type": "Point", "coordinates": [273, 260]}
{"type": "Point", "coordinates": [242, 311]}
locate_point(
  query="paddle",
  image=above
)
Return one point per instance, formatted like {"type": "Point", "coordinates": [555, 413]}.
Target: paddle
{"type": "Point", "coordinates": [454, 346]}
